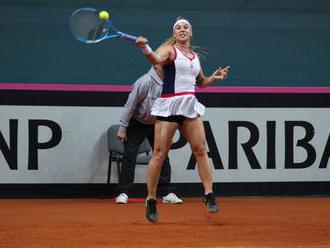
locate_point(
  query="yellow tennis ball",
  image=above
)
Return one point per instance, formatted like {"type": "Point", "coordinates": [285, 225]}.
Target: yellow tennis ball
{"type": "Point", "coordinates": [104, 15]}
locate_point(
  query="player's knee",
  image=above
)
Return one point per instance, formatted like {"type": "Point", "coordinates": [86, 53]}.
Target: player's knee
{"type": "Point", "coordinates": [199, 150]}
{"type": "Point", "coordinates": [159, 156]}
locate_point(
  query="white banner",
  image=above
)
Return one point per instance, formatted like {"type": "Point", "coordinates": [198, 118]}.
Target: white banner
{"type": "Point", "coordinates": [41, 144]}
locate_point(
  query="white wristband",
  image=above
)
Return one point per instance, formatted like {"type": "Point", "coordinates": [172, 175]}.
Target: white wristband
{"type": "Point", "coordinates": [146, 50]}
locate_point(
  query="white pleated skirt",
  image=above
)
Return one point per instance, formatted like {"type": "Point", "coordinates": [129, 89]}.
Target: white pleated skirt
{"type": "Point", "coordinates": [186, 105]}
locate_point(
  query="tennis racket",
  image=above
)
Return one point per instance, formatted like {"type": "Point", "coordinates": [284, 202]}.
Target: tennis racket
{"type": "Point", "coordinates": [87, 26]}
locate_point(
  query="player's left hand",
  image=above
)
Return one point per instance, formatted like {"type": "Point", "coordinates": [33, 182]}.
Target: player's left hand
{"type": "Point", "coordinates": [221, 73]}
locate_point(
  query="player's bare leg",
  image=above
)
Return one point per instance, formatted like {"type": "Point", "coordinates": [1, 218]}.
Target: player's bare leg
{"type": "Point", "coordinates": [193, 130]}
{"type": "Point", "coordinates": [164, 132]}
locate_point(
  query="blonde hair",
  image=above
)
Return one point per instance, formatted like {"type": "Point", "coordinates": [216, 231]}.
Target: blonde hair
{"type": "Point", "coordinates": [171, 41]}
{"type": "Point", "coordinates": [201, 51]}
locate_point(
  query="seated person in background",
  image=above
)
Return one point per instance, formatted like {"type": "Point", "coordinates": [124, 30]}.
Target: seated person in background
{"type": "Point", "coordinates": [136, 124]}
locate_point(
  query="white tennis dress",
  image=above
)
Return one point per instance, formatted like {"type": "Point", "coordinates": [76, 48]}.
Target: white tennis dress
{"type": "Point", "coordinates": [178, 94]}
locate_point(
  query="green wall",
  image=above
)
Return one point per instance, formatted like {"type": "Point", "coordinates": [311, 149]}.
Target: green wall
{"type": "Point", "coordinates": [267, 42]}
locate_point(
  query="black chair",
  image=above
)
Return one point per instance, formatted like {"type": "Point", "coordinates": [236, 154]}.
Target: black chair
{"type": "Point", "coordinates": [116, 151]}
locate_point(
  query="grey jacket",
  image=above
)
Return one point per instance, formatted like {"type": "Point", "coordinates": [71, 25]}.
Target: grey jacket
{"type": "Point", "coordinates": [145, 91]}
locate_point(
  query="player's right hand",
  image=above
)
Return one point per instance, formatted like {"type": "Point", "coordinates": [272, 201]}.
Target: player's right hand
{"type": "Point", "coordinates": [141, 42]}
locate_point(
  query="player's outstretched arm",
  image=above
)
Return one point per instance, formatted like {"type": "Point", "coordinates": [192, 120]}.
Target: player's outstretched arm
{"type": "Point", "coordinates": [219, 74]}
{"type": "Point", "coordinates": [155, 58]}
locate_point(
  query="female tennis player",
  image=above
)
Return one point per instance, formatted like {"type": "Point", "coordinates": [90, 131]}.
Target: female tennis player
{"type": "Point", "coordinates": [178, 108]}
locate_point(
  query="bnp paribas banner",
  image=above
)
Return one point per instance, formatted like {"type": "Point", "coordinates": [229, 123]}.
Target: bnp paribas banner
{"type": "Point", "coordinates": [68, 144]}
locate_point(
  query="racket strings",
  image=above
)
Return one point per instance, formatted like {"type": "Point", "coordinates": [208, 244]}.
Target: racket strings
{"type": "Point", "coordinates": [86, 26]}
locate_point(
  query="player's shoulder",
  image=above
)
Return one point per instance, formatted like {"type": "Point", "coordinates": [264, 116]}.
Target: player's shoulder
{"type": "Point", "coordinates": [166, 48]}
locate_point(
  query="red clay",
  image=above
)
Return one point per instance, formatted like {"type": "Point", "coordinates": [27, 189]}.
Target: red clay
{"type": "Point", "coordinates": [242, 222]}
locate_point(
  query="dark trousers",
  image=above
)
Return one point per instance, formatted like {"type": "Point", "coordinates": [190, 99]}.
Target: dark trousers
{"type": "Point", "coordinates": [136, 133]}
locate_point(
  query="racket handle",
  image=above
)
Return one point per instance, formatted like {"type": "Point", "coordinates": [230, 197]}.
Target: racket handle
{"type": "Point", "coordinates": [127, 36]}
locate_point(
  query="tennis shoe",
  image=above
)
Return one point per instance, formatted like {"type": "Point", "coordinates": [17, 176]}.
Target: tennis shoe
{"type": "Point", "coordinates": [172, 199]}
{"type": "Point", "coordinates": [122, 199]}
{"type": "Point", "coordinates": [211, 203]}
{"type": "Point", "coordinates": [151, 210]}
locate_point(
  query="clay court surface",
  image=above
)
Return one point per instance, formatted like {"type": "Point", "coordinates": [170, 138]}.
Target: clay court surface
{"type": "Point", "coordinates": [242, 222]}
